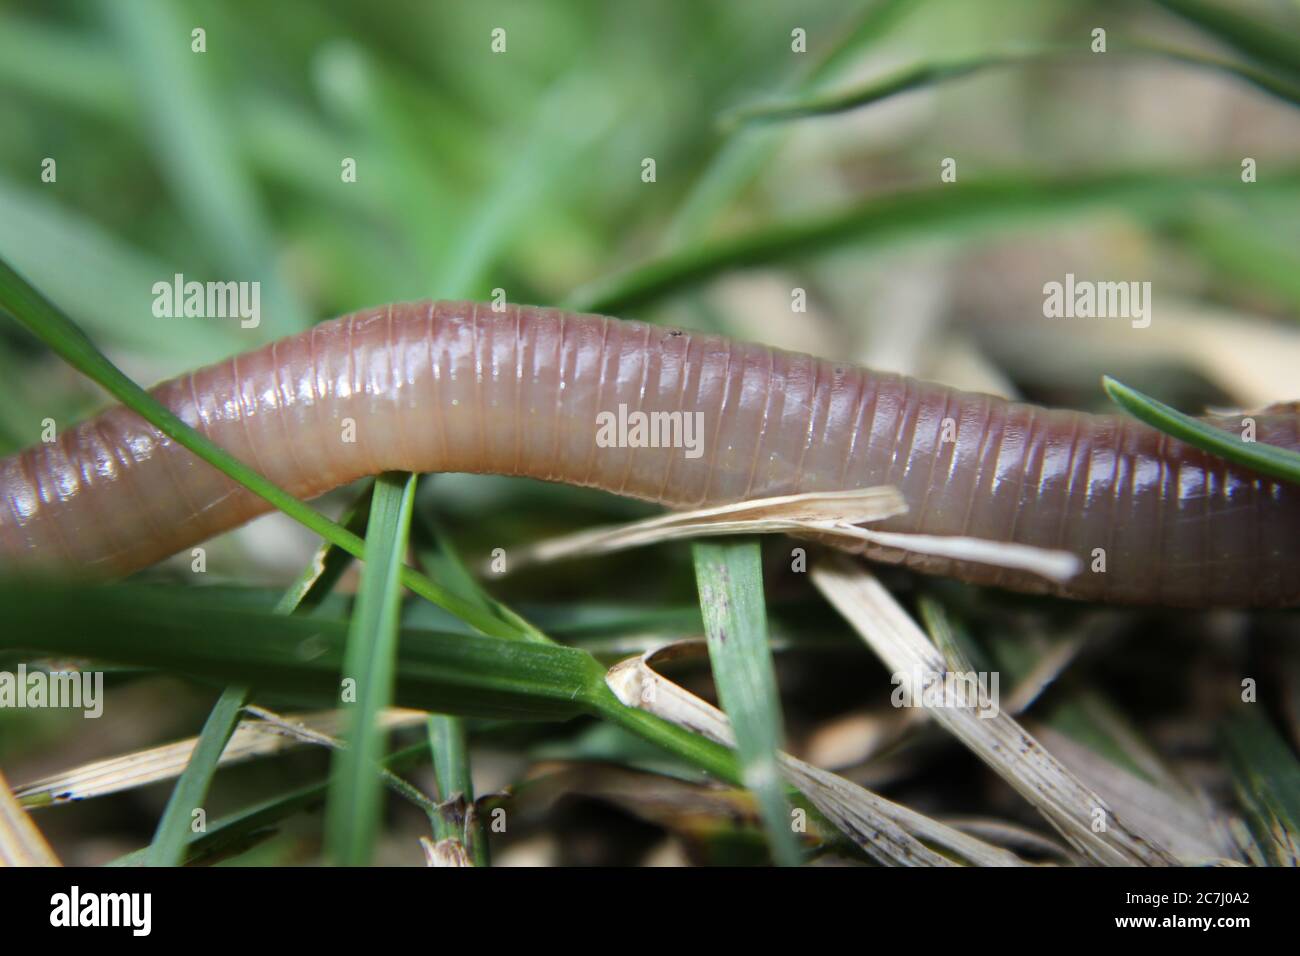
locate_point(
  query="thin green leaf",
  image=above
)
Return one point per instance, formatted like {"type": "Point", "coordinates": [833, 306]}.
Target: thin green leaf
{"type": "Point", "coordinates": [168, 846]}
{"type": "Point", "coordinates": [443, 564]}
{"type": "Point", "coordinates": [1271, 43]}
{"type": "Point", "coordinates": [456, 818]}
{"type": "Point", "coordinates": [191, 789]}
{"type": "Point", "coordinates": [1267, 778]}
{"type": "Point", "coordinates": [745, 153]}
{"type": "Point", "coordinates": [235, 833]}
{"type": "Point", "coordinates": [729, 575]}
{"type": "Point", "coordinates": [937, 210]}
{"type": "Point", "coordinates": [925, 75]}
{"type": "Point", "coordinates": [20, 300]}
{"type": "Point", "coordinates": [297, 658]}
{"type": "Point", "coordinates": [1266, 459]}
{"type": "Point", "coordinates": [353, 811]}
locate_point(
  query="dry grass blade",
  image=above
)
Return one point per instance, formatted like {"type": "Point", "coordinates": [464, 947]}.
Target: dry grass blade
{"type": "Point", "coordinates": [1012, 836]}
{"type": "Point", "coordinates": [888, 832]}
{"type": "Point", "coordinates": [253, 738]}
{"type": "Point", "coordinates": [444, 852]}
{"type": "Point", "coordinates": [1085, 820]}
{"type": "Point", "coordinates": [1053, 565]}
{"type": "Point", "coordinates": [21, 843]}
{"type": "Point", "coordinates": [1171, 814]}
{"type": "Point", "coordinates": [816, 512]}
{"type": "Point", "coordinates": [833, 514]}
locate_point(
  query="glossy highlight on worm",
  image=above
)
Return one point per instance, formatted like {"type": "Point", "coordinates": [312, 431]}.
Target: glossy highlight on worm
{"type": "Point", "coordinates": [458, 386]}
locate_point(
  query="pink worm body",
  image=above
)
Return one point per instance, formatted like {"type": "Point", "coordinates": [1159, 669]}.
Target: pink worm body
{"type": "Point", "coordinates": [459, 387]}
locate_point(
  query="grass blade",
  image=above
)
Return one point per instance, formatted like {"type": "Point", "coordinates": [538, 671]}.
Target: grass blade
{"type": "Point", "coordinates": [1266, 459]}
{"type": "Point", "coordinates": [925, 75]}
{"type": "Point", "coordinates": [946, 209]}
{"type": "Point", "coordinates": [253, 738]}
{"type": "Point", "coordinates": [990, 733]}
{"type": "Point", "coordinates": [889, 832]}
{"type": "Point", "coordinates": [21, 843]}
{"type": "Point", "coordinates": [730, 579]}
{"type": "Point", "coordinates": [1267, 43]}
{"type": "Point", "coordinates": [456, 819]}
{"type": "Point", "coordinates": [316, 580]}
{"type": "Point", "coordinates": [297, 658]}
{"type": "Point", "coordinates": [1267, 778]}
{"type": "Point", "coordinates": [744, 154]}
{"type": "Point", "coordinates": [168, 846]}
{"type": "Point", "coordinates": [235, 832]}
{"type": "Point", "coordinates": [353, 811]}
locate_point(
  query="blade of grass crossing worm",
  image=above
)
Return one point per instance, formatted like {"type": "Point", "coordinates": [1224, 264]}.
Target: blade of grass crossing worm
{"type": "Point", "coordinates": [1267, 778]}
{"type": "Point", "coordinates": [353, 809]}
{"type": "Point", "coordinates": [1266, 459]}
{"type": "Point", "coordinates": [730, 580]}
{"type": "Point", "coordinates": [315, 581]}
{"type": "Point", "coordinates": [20, 300]}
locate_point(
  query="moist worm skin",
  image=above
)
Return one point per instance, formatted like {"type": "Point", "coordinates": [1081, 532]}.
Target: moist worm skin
{"type": "Point", "coordinates": [454, 386]}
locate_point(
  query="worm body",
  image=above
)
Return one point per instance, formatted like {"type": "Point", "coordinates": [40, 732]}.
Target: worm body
{"type": "Point", "coordinates": [455, 386]}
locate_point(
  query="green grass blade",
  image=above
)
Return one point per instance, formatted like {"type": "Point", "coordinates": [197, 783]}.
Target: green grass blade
{"type": "Point", "coordinates": [296, 658]}
{"type": "Point", "coordinates": [926, 75]}
{"type": "Point", "coordinates": [353, 811]}
{"type": "Point", "coordinates": [20, 300]}
{"type": "Point", "coordinates": [447, 736]}
{"type": "Point", "coordinates": [313, 584]}
{"type": "Point", "coordinates": [947, 209]}
{"type": "Point", "coordinates": [443, 564]}
{"type": "Point", "coordinates": [1272, 44]}
{"type": "Point", "coordinates": [1267, 778]}
{"type": "Point", "coordinates": [1266, 459]}
{"type": "Point", "coordinates": [457, 819]}
{"type": "Point", "coordinates": [235, 832]}
{"type": "Point", "coordinates": [168, 846]}
{"type": "Point", "coordinates": [744, 154]}
{"type": "Point", "coordinates": [730, 579]}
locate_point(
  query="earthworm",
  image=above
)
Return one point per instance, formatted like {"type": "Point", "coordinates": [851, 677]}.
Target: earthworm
{"type": "Point", "coordinates": [455, 386]}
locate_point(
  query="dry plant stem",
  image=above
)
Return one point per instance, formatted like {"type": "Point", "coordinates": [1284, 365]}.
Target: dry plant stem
{"type": "Point", "coordinates": [455, 386]}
